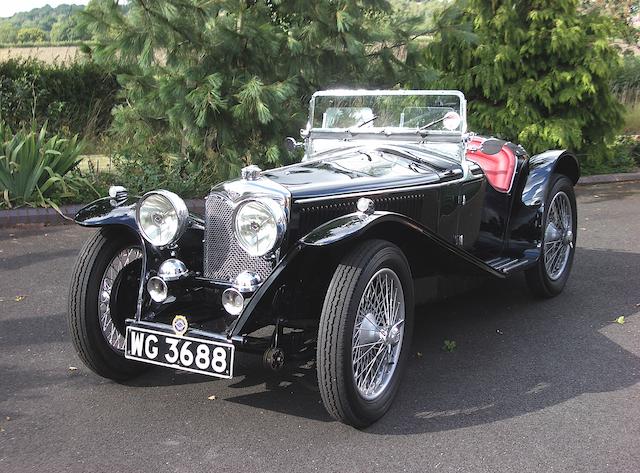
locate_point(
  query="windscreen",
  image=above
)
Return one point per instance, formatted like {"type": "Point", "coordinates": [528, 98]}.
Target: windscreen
{"type": "Point", "coordinates": [388, 109]}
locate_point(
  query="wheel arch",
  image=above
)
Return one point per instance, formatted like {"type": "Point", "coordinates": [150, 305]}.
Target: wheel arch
{"type": "Point", "coordinates": [568, 165]}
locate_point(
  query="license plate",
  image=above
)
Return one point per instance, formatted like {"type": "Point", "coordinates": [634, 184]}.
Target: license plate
{"type": "Point", "coordinates": [185, 353]}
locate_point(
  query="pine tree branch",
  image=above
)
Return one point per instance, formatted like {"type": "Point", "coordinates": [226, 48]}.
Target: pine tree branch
{"type": "Point", "coordinates": [401, 43]}
{"type": "Point", "coordinates": [166, 22]}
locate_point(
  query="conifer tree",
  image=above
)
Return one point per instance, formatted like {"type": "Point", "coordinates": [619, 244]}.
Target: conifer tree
{"type": "Point", "coordinates": [536, 72]}
{"type": "Point", "coordinates": [224, 81]}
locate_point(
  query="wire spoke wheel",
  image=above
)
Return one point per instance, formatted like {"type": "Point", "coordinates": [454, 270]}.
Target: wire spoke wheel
{"type": "Point", "coordinates": [558, 240]}
{"type": "Point", "coordinates": [378, 333]}
{"type": "Point", "coordinates": [112, 335]}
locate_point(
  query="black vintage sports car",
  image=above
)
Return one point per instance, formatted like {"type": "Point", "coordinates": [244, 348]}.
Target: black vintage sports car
{"type": "Point", "coordinates": [321, 258]}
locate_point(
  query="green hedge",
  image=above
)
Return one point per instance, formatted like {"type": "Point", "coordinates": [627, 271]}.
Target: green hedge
{"type": "Point", "coordinates": [74, 99]}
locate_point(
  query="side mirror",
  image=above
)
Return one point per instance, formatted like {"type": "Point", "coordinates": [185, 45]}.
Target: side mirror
{"type": "Point", "coordinates": [291, 144]}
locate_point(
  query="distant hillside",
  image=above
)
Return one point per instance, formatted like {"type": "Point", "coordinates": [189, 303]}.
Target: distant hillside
{"type": "Point", "coordinates": [42, 24]}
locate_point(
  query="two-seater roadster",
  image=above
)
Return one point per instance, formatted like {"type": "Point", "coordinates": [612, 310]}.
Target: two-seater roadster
{"type": "Point", "coordinates": [319, 259]}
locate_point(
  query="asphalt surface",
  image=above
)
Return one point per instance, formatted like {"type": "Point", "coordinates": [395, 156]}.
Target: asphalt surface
{"type": "Point", "coordinates": [533, 385]}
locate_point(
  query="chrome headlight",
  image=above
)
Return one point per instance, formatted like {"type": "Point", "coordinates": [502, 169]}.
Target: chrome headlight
{"type": "Point", "coordinates": [161, 217]}
{"type": "Point", "coordinates": [259, 226]}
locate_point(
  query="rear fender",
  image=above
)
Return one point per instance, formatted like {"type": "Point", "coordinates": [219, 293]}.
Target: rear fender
{"type": "Point", "coordinates": [525, 227]}
{"type": "Point", "coordinates": [542, 167]}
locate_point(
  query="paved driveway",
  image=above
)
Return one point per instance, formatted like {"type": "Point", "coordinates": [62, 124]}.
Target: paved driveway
{"type": "Point", "coordinates": [533, 385]}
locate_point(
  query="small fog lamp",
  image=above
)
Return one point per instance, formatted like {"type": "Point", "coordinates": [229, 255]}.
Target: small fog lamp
{"type": "Point", "coordinates": [157, 289]}
{"type": "Point", "coordinates": [232, 301]}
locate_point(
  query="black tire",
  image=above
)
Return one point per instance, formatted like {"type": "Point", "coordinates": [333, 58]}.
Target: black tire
{"type": "Point", "coordinates": [538, 279]}
{"type": "Point", "coordinates": [334, 353]}
{"type": "Point", "coordinates": [82, 315]}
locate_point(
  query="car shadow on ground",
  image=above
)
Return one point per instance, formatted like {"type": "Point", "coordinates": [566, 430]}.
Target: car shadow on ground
{"type": "Point", "coordinates": [515, 354]}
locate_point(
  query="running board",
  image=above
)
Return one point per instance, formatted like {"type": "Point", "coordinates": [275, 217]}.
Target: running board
{"type": "Point", "coordinates": [508, 265]}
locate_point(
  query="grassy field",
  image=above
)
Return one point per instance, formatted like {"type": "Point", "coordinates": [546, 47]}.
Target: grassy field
{"type": "Point", "coordinates": [48, 54]}
{"type": "Point", "coordinates": [100, 163]}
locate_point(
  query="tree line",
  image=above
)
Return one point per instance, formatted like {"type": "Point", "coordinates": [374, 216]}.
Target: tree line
{"type": "Point", "coordinates": [46, 24]}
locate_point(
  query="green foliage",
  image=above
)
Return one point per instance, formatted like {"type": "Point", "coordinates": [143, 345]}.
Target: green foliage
{"type": "Point", "coordinates": [177, 174]}
{"type": "Point", "coordinates": [43, 24]}
{"type": "Point", "coordinates": [538, 72]}
{"type": "Point", "coordinates": [222, 82]}
{"type": "Point", "coordinates": [66, 29]}
{"type": "Point", "coordinates": [622, 156]}
{"type": "Point", "coordinates": [8, 33]}
{"type": "Point", "coordinates": [74, 99]}
{"type": "Point", "coordinates": [449, 345]}
{"type": "Point", "coordinates": [422, 9]}
{"type": "Point", "coordinates": [30, 35]}
{"type": "Point", "coordinates": [33, 167]}
{"type": "Point", "coordinates": [627, 151]}
{"type": "Point", "coordinates": [623, 12]}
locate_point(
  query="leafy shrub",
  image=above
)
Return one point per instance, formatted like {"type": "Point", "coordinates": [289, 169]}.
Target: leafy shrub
{"type": "Point", "coordinates": [74, 99]}
{"type": "Point", "coordinates": [629, 147]}
{"type": "Point", "coordinates": [181, 175]}
{"type": "Point", "coordinates": [34, 167]}
{"type": "Point", "coordinates": [623, 155]}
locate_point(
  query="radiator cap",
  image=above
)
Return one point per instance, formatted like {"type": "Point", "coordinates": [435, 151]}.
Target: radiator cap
{"type": "Point", "coordinates": [251, 173]}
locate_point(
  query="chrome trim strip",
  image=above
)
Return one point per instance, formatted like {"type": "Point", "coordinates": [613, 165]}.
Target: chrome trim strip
{"type": "Point", "coordinates": [436, 181]}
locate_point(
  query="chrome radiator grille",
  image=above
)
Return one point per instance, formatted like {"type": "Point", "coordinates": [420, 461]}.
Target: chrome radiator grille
{"type": "Point", "coordinates": [224, 259]}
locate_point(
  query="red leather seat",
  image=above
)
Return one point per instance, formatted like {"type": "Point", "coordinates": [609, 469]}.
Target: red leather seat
{"type": "Point", "coordinates": [499, 167]}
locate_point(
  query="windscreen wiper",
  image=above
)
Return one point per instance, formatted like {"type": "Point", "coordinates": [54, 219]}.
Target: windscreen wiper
{"type": "Point", "coordinates": [361, 124]}
{"type": "Point", "coordinates": [430, 124]}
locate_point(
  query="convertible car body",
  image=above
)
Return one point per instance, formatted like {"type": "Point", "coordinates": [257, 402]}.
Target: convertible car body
{"type": "Point", "coordinates": [320, 259]}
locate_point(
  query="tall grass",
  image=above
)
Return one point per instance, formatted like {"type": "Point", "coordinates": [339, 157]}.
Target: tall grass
{"type": "Point", "coordinates": [632, 120]}
{"type": "Point", "coordinates": [626, 84]}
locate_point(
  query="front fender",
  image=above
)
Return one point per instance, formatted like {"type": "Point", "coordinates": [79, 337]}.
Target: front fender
{"type": "Point", "coordinates": [400, 230]}
{"type": "Point", "coordinates": [105, 211]}
{"type": "Point", "coordinates": [425, 250]}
